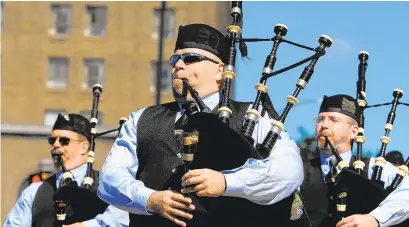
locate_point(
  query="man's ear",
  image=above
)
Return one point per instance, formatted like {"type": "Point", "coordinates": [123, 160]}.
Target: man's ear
{"type": "Point", "coordinates": [219, 73]}
{"type": "Point", "coordinates": [354, 131]}
{"type": "Point", "coordinates": [85, 147]}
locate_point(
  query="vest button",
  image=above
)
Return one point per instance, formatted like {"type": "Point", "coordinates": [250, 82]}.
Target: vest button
{"type": "Point", "coordinates": [174, 170]}
{"type": "Point", "coordinates": [331, 197]}
{"type": "Point", "coordinates": [330, 215]}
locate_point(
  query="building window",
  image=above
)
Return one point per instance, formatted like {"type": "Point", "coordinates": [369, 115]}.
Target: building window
{"type": "Point", "coordinates": [50, 116]}
{"type": "Point", "coordinates": [169, 23]}
{"type": "Point", "coordinates": [97, 20]}
{"type": "Point", "coordinates": [166, 79]}
{"type": "Point", "coordinates": [87, 115]}
{"type": "Point", "coordinates": [62, 19]}
{"type": "Point", "coordinates": [93, 72]}
{"type": "Point", "coordinates": [1, 16]}
{"type": "Point", "coordinates": [58, 72]}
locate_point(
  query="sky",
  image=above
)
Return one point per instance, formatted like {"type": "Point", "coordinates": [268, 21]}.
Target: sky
{"type": "Point", "coordinates": [380, 28]}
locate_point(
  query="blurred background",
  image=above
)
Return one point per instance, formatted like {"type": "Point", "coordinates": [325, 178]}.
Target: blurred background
{"type": "Point", "coordinates": [52, 53]}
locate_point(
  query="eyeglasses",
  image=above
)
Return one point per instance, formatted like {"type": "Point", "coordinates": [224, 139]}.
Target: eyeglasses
{"type": "Point", "coordinates": [64, 141]}
{"type": "Point", "coordinates": [331, 120]}
{"type": "Point", "coordinates": [189, 58]}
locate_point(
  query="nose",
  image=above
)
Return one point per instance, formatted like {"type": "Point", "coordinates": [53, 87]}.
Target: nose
{"type": "Point", "coordinates": [322, 126]}
{"type": "Point", "coordinates": [325, 124]}
{"type": "Point", "coordinates": [56, 144]}
{"type": "Point", "coordinates": [179, 64]}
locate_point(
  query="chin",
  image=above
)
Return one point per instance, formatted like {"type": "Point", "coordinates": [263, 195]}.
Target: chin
{"type": "Point", "coordinates": [178, 90]}
{"type": "Point", "coordinates": [325, 150]}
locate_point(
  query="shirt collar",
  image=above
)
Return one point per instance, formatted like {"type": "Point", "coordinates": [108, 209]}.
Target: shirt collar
{"type": "Point", "coordinates": [325, 159]}
{"type": "Point", "coordinates": [210, 101]}
{"type": "Point", "coordinates": [78, 173]}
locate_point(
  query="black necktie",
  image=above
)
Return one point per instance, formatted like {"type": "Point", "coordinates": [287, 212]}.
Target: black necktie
{"type": "Point", "coordinates": [333, 167]}
{"type": "Point", "coordinates": [183, 119]}
{"type": "Point", "coordinates": [330, 178]}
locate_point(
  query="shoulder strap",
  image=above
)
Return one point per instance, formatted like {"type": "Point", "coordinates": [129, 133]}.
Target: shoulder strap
{"type": "Point", "coordinates": [96, 177]}
{"type": "Point", "coordinates": [42, 208]}
{"type": "Point", "coordinates": [366, 169]}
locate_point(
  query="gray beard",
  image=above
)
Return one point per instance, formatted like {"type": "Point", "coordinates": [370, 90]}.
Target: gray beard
{"type": "Point", "coordinates": [180, 97]}
{"type": "Point", "coordinates": [326, 150]}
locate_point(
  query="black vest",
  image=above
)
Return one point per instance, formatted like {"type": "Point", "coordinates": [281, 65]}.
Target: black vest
{"type": "Point", "coordinates": [320, 199]}
{"type": "Point", "coordinates": [158, 157]}
{"type": "Point", "coordinates": [43, 211]}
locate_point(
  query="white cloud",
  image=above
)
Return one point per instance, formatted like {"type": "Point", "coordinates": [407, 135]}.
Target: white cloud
{"type": "Point", "coordinates": [341, 47]}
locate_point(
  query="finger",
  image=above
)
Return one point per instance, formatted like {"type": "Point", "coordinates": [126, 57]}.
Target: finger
{"type": "Point", "coordinates": [192, 173]}
{"type": "Point", "coordinates": [180, 198]}
{"type": "Point", "coordinates": [196, 188]}
{"type": "Point", "coordinates": [344, 222]}
{"type": "Point", "coordinates": [180, 213]}
{"type": "Point", "coordinates": [182, 205]}
{"type": "Point", "coordinates": [193, 180]}
{"type": "Point", "coordinates": [174, 219]}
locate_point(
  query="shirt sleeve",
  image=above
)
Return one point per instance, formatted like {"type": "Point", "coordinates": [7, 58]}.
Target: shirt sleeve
{"type": "Point", "coordinates": [21, 213]}
{"type": "Point", "coordinates": [112, 217]}
{"type": "Point", "coordinates": [117, 184]}
{"type": "Point", "coordinates": [394, 209]}
{"type": "Point", "coordinates": [270, 180]}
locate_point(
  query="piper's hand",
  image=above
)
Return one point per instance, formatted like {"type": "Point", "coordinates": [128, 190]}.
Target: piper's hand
{"type": "Point", "coordinates": [78, 224]}
{"type": "Point", "coordinates": [358, 220]}
{"type": "Point", "coordinates": [205, 182]}
{"type": "Point", "coordinates": [170, 205]}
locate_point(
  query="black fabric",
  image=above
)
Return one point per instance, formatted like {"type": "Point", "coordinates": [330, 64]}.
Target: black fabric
{"type": "Point", "coordinates": [159, 156]}
{"type": "Point", "coordinates": [74, 122]}
{"type": "Point", "coordinates": [43, 211]}
{"type": "Point", "coordinates": [344, 104]}
{"type": "Point", "coordinates": [203, 37]}
{"type": "Point", "coordinates": [320, 196]}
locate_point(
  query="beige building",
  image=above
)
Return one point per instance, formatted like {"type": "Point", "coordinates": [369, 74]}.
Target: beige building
{"type": "Point", "coordinates": [52, 53]}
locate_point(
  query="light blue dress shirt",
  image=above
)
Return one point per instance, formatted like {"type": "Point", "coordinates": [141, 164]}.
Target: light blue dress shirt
{"type": "Point", "coordinates": [21, 215]}
{"type": "Point", "coordinates": [261, 181]}
{"type": "Point", "coordinates": [395, 208]}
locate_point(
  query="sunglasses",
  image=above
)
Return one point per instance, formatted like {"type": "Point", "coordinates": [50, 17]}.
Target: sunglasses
{"type": "Point", "coordinates": [189, 58]}
{"type": "Point", "coordinates": [64, 141]}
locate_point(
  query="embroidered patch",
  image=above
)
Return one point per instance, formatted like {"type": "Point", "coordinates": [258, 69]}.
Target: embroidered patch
{"type": "Point", "coordinates": [296, 207]}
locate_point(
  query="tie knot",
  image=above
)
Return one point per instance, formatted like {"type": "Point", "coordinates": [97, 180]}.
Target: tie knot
{"type": "Point", "coordinates": [188, 105]}
{"type": "Point", "coordinates": [190, 108]}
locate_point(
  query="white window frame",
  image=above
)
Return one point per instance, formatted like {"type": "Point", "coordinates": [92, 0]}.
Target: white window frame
{"type": "Point", "coordinates": [103, 19]}
{"type": "Point", "coordinates": [169, 25]}
{"type": "Point", "coordinates": [99, 63]}
{"type": "Point", "coordinates": [58, 11]}
{"type": "Point", "coordinates": [166, 76]}
{"type": "Point", "coordinates": [50, 116]}
{"type": "Point", "coordinates": [54, 77]}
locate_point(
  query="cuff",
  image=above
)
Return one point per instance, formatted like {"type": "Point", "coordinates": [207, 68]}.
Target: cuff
{"type": "Point", "coordinates": [143, 196]}
{"type": "Point", "coordinates": [234, 187]}
{"type": "Point", "coordinates": [377, 214]}
{"type": "Point", "coordinates": [91, 223]}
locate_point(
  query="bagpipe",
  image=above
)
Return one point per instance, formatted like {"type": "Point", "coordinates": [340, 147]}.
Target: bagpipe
{"type": "Point", "coordinates": [75, 203]}
{"type": "Point", "coordinates": [356, 194]}
{"type": "Point", "coordinates": [212, 138]}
